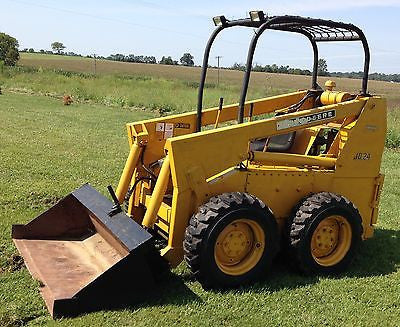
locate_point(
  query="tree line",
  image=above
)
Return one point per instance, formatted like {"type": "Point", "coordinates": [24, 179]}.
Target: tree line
{"type": "Point", "coordinates": [9, 56]}
{"type": "Point", "coordinates": [59, 47]}
{"type": "Point", "coordinates": [322, 71]}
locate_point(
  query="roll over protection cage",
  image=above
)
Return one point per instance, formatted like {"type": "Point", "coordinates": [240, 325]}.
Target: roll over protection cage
{"type": "Point", "coordinates": [316, 30]}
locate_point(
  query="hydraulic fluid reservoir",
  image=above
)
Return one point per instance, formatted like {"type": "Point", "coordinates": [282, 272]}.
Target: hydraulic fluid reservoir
{"type": "Point", "coordinates": [333, 97]}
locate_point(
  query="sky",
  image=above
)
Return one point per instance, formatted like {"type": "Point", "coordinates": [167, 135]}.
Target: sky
{"type": "Point", "coordinates": [171, 28]}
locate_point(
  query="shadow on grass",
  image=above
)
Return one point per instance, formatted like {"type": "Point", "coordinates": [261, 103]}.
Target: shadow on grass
{"type": "Point", "coordinates": [170, 289]}
{"type": "Point", "coordinates": [377, 256]}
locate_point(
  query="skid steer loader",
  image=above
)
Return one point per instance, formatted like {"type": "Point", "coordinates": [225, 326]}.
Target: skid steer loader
{"type": "Point", "coordinates": [298, 171]}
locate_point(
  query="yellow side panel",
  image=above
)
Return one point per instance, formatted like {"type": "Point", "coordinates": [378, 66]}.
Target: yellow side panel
{"type": "Point", "coordinates": [282, 190]}
{"type": "Point", "coordinates": [363, 142]}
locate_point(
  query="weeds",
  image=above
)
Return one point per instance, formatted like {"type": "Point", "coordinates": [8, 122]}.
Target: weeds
{"type": "Point", "coordinates": [122, 90]}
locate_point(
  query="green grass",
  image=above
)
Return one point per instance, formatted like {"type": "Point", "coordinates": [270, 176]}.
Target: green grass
{"type": "Point", "coordinates": [122, 90]}
{"type": "Point", "coordinates": [32, 56]}
{"type": "Point", "coordinates": [393, 133]}
{"type": "Point", "coordinates": [48, 149]}
{"type": "Point", "coordinates": [154, 94]}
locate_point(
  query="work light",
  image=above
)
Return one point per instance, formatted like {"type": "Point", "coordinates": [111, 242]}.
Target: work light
{"type": "Point", "coordinates": [220, 20]}
{"type": "Point", "coordinates": [257, 16]}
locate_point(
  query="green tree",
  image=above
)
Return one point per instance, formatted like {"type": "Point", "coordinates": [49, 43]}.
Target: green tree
{"type": "Point", "coordinates": [8, 49]}
{"type": "Point", "coordinates": [322, 67]}
{"type": "Point", "coordinates": [167, 61]}
{"type": "Point", "coordinates": [58, 46]}
{"type": "Point", "coordinates": [187, 59]}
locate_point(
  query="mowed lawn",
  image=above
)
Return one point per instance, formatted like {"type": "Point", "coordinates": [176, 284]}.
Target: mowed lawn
{"type": "Point", "coordinates": [47, 150]}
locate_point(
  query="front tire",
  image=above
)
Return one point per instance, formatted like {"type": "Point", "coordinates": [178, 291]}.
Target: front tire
{"type": "Point", "coordinates": [231, 240]}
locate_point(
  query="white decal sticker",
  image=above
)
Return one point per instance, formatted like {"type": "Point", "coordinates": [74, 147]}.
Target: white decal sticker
{"type": "Point", "coordinates": [305, 120]}
{"type": "Point", "coordinates": [169, 130]}
{"type": "Point", "coordinates": [160, 127]}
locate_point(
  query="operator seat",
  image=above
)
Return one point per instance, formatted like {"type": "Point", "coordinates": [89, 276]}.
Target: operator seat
{"type": "Point", "coordinates": [276, 143]}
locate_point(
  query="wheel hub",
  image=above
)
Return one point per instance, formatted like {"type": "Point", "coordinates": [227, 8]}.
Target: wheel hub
{"type": "Point", "coordinates": [326, 238]}
{"type": "Point", "coordinates": [331, 240]}
{"type": "Point", "coordinates": [235, 243]}
{"type": "Point", "coordinates": [239, 246]}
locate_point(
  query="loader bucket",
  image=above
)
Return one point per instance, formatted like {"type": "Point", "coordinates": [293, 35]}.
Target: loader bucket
{"type": "Point", "coordinates": [84, 259]}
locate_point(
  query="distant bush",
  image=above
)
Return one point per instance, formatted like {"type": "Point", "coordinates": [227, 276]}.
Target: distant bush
{"type": "Point", "coordinates": [132, 58]}
{"type": "Point", "coordinates": [8, 49]}
{"type": "Point", "coordinates": [167, 61]}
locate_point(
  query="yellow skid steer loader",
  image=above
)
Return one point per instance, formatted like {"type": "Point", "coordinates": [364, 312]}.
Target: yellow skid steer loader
{"type": "Point", "coordinates": [299, 171]}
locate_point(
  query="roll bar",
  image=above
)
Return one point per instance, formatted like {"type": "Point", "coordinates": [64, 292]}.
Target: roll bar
{"type": "Point", "coordinates": [241, 22]}
{"type": "Point", "coordinates": [316, 30]}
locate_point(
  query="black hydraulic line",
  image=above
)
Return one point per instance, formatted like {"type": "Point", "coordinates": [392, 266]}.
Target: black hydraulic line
{"type": "Point", "coordinates": [132, 189]}
{"type": "Point", "coordinates": [147, 169]}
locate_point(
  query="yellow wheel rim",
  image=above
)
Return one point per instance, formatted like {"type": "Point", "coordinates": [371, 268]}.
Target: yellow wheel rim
{"type": "Point", "coordinates": [239, 247]}
{"type": "Point", "coordinates": [331, 240]}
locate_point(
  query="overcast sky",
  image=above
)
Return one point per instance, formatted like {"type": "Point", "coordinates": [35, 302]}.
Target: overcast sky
{"type": "Point", "coordinates": [150, 27]}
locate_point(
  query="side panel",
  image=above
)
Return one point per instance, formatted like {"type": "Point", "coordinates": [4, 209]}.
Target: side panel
{"type": "Point", "coordinates": [282, 190]}
{"type": "Point", "coordinates": [365, 139]}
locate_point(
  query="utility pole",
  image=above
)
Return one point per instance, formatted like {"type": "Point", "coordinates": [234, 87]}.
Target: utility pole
{"type": "Point", "coordinates": [218, 59]}
{"type": "Point", "coordinates": [94, 58]}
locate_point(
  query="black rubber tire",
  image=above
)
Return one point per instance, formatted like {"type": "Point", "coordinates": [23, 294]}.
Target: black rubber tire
{"type": "Point", "coordinates": [205, 226]}
{"type": "Point", "coordinates": [310, 213]}
{"type": "Point", "coordinates": [286, 255]}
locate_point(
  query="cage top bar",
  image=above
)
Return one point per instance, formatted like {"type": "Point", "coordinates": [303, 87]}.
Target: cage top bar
{"type": "Point", "coordinates": [316, 30]}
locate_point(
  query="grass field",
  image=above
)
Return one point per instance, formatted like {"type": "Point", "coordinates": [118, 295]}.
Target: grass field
{"type": "Point", "coordinates": [163, 89]}
{"type": "Point", "coordinates": [48, 149]}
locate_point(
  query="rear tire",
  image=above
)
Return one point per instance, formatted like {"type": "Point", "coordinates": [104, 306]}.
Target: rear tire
{"type": "Point", "coordinates": [325, 233]}
{"type": "Point", "coordinates": [231, 240]}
